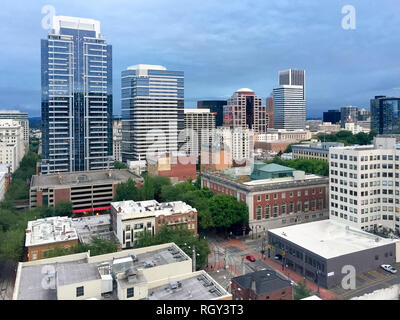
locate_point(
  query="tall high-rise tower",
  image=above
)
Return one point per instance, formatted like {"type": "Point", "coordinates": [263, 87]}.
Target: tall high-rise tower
{"type": "Point", "coordinates": [76, 97]}
{"type": "Point", "coordinates": [289, 100]}
{"type": "Point", "coordinates": [152, 111]}
{"type": "Point", "coordinates": [245, 110]}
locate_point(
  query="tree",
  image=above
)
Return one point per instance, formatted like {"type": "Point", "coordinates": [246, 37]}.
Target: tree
{"type": "Point", "coordinates": [301, 291]}
{"type": "Point", "coordinates": [226, 210]}
{"type": "Point", "coordinates": [120, 165]}
{"type": "Point", "coordinates": [159, 182]}
{"type": "Point", "coordinates": [63, 209]}
{"type": "Point", "coordinates": [169, 193]}
{"type": "Point", "coordinates": [197, 183]}
{"type": "Point", "coordinates": [127, 191]}
{"type": "Point", "coordinates": [147, 190]}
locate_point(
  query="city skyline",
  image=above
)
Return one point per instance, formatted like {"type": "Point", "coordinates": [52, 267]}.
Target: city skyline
{"type": "Point", "coordinates": [207, 44]}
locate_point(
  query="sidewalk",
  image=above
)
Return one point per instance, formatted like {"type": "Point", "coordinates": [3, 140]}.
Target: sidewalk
{"type": "Point", "coordinates": [324, 293]}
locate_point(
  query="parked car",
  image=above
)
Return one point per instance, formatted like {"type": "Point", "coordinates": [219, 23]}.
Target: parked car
{"type": "Point", "coordinates": [251, 258]}
{"type": "Point", "coordinates": [389, 268]}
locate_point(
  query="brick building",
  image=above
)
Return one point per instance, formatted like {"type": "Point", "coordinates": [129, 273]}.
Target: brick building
{"type": "Point", "coordinates": [261, 285]}
{"type": "Point", "coordinates": [46, 234]}
{"type": "Point", "coordinates": [89, 191]}
{"type": "Point", "coordinates": [289, 197]}
{"type": "Point", "coordinates": [130, 218]}
{"type": "Point", "coordinates": [177, 168]}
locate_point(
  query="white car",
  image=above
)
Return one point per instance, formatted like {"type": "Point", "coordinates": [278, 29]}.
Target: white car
{"type": "Point", "coordinates": [389, 268]}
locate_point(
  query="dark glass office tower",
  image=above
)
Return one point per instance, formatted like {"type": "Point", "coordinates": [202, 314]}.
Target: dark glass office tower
{"type": "Point", "coordinates": [216, 106]}
{"type": "Point", "coordinates": [385, 115]}
{"type": "Point", "coordinates": [76, 97]}
{"type": "Point", "coordinates": [332, 116]}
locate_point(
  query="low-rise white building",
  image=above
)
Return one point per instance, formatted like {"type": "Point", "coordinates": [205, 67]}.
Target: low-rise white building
{"type": "Point", "coordinates": [130, 218]}
{"type": "Point", "coordinates": [46, 234]}
{"type": "Point", "coordinates": [162, 272]}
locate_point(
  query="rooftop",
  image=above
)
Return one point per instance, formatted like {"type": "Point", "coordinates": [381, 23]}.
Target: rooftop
{"type": "Point", "coordinates": [278, 174]}
{"type": "Point", "coordinates": [80, 268]}
{"type": "Point", "coordinates": [146, 67]}
{"type": "Point", "coordinates": [196, 111]}
{"type": "Point", "coordinates": [131, 209]}
{"type": "Point", "coordinates": [330, 239]}
{"type": "Point", "coordinates": [93, 226]}
{"type": "Point", "coordinates": [200, 286]}
{"type": "Point", "coordinates": [83, 178]}
{"type": "Point", "coordinates": [265, 281]}
{"type": "Point", "coordinates": [50, 230]}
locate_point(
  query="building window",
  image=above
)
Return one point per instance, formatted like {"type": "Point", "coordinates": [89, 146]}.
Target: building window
{"type": "Point", "coordinates": [80, 291]}
{"type": "Point", "coordinates": [258, 213]}
{"type": "Point", "coordinates": [275, 210]}
{"type": "Point", "coordinates": [129, 292]}
{"type": "Point", "coordinates": [267, 211]}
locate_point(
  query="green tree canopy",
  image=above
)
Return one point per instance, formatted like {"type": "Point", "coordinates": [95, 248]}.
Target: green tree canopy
{"type": "Point", "coordinates": [226, 210]}
{"type": "Point", "coordinates": [120, 165]}
{"type": "Point", "coordinates": [127, 191]}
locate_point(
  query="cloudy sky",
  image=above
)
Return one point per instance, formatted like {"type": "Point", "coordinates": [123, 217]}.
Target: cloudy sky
{"type": "Point", "coordinates": [221, 45]}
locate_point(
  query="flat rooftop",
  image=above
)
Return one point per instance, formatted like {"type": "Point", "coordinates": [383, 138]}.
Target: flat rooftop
{"type": "Point", "coordinates": [50, 230]}
{"type": "Point", "coordinates": [243, 175]}
{"type": "Point", "coordinates": [198, 287]}
{"type": "Point", "coordinates": [330, 239]}
{"type": "Point", "coordinates": [84, 178]}
{"type": "Point", "coordinates": [82, 270]}
{"type": "Point", "coordinates": [266, 281]}
{"type": "Point", "coordinates": [93, 226]}
{"type": "Point", "coordinates": [134, 209]}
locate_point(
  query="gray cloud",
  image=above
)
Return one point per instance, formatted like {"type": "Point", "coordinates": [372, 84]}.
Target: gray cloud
{"type": "Point", "coordinates": [221, 45]}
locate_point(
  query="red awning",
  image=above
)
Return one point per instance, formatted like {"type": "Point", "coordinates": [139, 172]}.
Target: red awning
{"type": "Point", "coordinates": [90, 209]}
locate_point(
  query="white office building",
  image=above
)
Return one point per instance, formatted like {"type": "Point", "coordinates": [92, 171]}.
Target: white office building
{"type": "Point", "coordinates": [290, 100]}
{"type": "Point", "coordinates": [12, 145]}
{"type": "Point", "coordinates": [18, 116]}
{"type": "Point", "coordinates": [365, 185]}
{"type": "Point", "coordinates": [237, 143]}
{"type": "Point", "coordinates": [199, 125]}
{"type": "Point", "coordinates": [152, 111]}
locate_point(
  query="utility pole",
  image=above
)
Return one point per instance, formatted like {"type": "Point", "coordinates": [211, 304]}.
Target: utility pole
{"type": "Point", "coordinates": [194, 259]}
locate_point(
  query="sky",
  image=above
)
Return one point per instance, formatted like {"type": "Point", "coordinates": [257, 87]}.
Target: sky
{"type": "Point", "coordinates": [221, 45]}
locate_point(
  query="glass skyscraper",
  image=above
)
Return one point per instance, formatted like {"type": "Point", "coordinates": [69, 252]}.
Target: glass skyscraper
{"type": "Point", "coordinates": [385, 115]}
{"type": "Point", "coordinates": [76, 97]}
{"type": "Point", "coordinates": [152, 111]}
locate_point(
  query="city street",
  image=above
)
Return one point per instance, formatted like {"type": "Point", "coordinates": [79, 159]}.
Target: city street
{"type": "Point", "coordinates": [228, 260]}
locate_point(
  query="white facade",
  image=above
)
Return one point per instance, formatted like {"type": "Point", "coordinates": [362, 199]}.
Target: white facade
{"type": "Point", "coordinates": [12, 145]}
{"type": "Point", "coordinates": [117, 140]}
{"type": "Point", "coordinates": [3, 176]}
{"type": "Point", "coordinates": [289, 107]}
{"type": "Point", "coordinates": [199, 125]}
{"type": "Point", "coordinates": [18, 116]}
{"type": "Point", "coordinates": [365, 185]}
{"type": "Point", "coordinates": [238, 142]}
